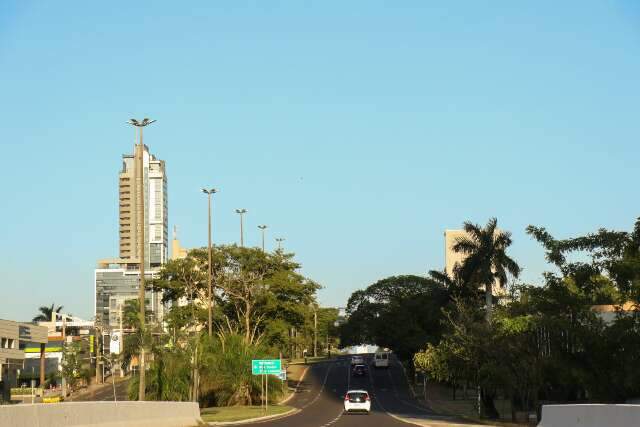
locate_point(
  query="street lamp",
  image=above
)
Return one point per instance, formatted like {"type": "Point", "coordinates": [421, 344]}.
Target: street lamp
{"type": "Point", "coordinates": [262, 228]}
{"type": "Point", "coordinates": [241, 212]}
{"type": "Point", "coordinates": [280, 240]}
{"type": "Point", "coordinates": [209, 193]}
{"type": "Point", "coordinates": [140, 157]}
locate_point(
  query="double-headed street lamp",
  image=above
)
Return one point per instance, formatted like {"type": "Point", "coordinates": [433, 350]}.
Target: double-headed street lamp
{"type": "Point", "coordinates": [280, 240]}
{"type": "Point", "coordinates": [141, 291]}
{"type": "Point", "coordinates": [241, 212]}
{"type": "Point", "coordinates": [262, 228]}
{"type": "Point", "coordinates": [209, 192]}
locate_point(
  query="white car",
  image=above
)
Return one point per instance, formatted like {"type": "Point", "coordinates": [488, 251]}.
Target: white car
{"type": "Point", "coordinates": [357, 401]}
{"type": "Point", "coordinates": [357, 360]}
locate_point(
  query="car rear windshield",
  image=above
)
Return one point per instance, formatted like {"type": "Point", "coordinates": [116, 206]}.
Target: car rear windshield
{"type": "Point", "coordinates": [381, 356]}
{"type": "Point", "coordinates": [357, 397]}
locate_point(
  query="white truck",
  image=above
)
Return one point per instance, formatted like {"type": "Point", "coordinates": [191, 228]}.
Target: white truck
{"type": "Point", "coordinates": [381, 359]}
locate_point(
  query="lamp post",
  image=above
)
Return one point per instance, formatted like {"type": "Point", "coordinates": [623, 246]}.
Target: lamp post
{"type": "Point", "coordinates": [241, 212]}
{"type": "Point", "coordinates": [141, 294]}
{"type": "Point", "coordinates": [262, 228]}
{"type": "Point", "coordinates": [280, 240]}
{"type": "Point", "coordinates": [209, 193]}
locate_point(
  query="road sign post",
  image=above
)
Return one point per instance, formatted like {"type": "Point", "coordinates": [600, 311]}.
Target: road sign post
{"type": "Point", "coordinates": [264, 368]}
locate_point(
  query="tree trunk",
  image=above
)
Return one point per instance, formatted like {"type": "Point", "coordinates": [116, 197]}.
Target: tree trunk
{"type": "Point", "coordinates": [488, 405]}
{"type": "Point", "coordinates": [488, 302]}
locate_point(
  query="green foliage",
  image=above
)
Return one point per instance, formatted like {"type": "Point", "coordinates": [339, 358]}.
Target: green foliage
{"type": "Point", "coordinates": [258, 298]}
{"type": "Point", "coordinates": [72, 363]}
{"type": "Point", "coordinates": [547, 342]}
{"type": "Point", "coordinates": [256, 294]}
{"type": "Point", "coordinates": [399, 312]}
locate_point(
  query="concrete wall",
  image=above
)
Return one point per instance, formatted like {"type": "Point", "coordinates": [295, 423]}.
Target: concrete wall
{"type": "Point", "coordinates": [590, 416]}
{"type": "Point", "coordinates": [101, 414]}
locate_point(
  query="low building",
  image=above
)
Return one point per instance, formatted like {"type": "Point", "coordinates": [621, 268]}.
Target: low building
{"type": "Point", "coordinates": [14, 337]}
{"type": "Point", "coordinates": [609, 313]}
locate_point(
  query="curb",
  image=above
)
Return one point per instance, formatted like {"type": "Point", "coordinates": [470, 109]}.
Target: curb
{"type": "Point", "coordinates": [253, 420]}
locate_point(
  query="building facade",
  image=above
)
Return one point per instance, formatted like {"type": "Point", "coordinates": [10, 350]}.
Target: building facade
{"type": "Point", "coordinates": [117, 279]}
{"type": "Point", "coordinates": [155, 209]}
{"type": "Point", "coordinates": [14, 336]}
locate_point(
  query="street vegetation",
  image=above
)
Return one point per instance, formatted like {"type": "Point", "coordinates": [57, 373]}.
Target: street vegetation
{"type": "Point", "coordinates": [263, 308]}
{"type": "Point", "coordinates": [533, 343]}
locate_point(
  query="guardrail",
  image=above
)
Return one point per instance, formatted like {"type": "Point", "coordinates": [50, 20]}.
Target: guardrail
{"type": "Point", "coordinates": [590, 415]}
{"type": "Point", "coordinates": [107, 414]}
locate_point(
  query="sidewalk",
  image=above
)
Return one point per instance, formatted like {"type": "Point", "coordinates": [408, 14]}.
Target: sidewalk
{"type": "Point", "coordinates": [440, 399]}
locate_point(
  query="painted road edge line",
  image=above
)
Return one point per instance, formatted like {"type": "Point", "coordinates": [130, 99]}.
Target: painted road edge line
{"type": "Point", "coordinates": [295, 390]}
{"type": "Point", "coordinates": [253, 420]}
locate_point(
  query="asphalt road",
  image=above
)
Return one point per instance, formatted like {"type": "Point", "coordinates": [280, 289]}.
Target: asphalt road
{"type": "Point", "coordinates": [105, 392]}
{"type": "Point", "coordinates": [320, 398]}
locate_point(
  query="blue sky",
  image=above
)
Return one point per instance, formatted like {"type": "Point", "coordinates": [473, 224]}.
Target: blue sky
{"type": "Point", "coordinates": [358, 131]}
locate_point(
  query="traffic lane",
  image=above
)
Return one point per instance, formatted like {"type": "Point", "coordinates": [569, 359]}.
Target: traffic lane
{"type": "Point", "coordinates": [323, 406]}
{"type": "Point", "coordinates": [105, 393]}
{"type": "Point", "coordinates": [310, 385]}
{"type": "Point", "coordinates": [377, 417]}
{"type": "Point", "coordinates": [395, 396]}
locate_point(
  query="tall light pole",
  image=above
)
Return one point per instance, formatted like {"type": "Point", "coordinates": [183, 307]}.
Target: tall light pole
{"type": "Point", "coordinates": [280, 240]}
{"type": "Point", "coordinates": [140, 157]}
{"type": "Point", "coordinates": [241, 212]}
{"type": "Point", "coordinates": [262, 228]}
{"type": "Point", "coordinates": [209, 193]}
{"type": "Point", "coordinates": [315, 331]}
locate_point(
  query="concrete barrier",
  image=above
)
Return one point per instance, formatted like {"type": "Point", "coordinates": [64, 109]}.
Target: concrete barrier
{"type": "Point", "coordinates": [101, 414]}
{"type": "Point", "coordinates": [590, 416]}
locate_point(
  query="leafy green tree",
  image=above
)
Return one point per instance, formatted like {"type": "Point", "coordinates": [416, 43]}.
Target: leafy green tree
{"type": "Point", "coordinates": [72, 364]}
{"type": "Point", "coordinates": [46, 313]}
{"type": "Point", "coordinates": [399, 312]}
{"type": "Point", "coordinates": [486, 260]}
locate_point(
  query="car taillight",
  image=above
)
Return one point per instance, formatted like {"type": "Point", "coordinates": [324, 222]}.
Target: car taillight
{"type": "Point", "coordinates": [368, 398]}
{"type": "Point", "coordinates": [346, 397]}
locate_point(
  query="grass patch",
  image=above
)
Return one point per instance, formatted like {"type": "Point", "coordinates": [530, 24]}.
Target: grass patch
{"type": "Point", "coordinates": [238, 413]}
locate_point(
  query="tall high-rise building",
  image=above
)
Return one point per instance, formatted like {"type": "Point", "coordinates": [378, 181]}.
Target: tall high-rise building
{"type": "Point", "coordinates": [155, 209]}
{"type": "Point", "coordinates": [117, 280]}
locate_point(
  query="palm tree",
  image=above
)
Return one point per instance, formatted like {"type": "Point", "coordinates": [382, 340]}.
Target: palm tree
{"type": "Point", "coordinates": [486, 259]}
{"type": "Point", "coordinates": [46, 313]}
{"type": "Point", "coordinates": [457, 287]}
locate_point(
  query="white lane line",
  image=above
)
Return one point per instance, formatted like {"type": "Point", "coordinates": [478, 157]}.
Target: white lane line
{"type": "Point", "coordinates": [324, 382]}
{"type": "Point", "coordinates": [397, 394]}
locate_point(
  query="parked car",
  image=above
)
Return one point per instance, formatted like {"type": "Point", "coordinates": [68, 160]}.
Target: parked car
{"type": "Point", "coordinates": [357, 401]}
{"type": "Point", "coordinates": [359, 371]}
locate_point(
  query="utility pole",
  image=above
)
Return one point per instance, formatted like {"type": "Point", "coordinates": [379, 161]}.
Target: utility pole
{"type": "Point", "coordinates": [241, 212]}
{"type": "Point", "coordinates": [98, 328]}
{"type": "Point", "coordinates": [141, 221]}
{"type": "Point", "coordinates": [315, 332]}
{"type": "Point", "coordinates": [262, 228]}
{"type": "Point", "coordinates": [209, 193]}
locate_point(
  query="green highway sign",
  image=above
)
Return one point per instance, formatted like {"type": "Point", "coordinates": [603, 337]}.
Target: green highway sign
{"type": "Point", "coordinates": [266, 367]}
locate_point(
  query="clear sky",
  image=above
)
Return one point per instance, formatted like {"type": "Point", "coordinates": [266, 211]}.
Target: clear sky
{"type": "Point", "coordinates": [359, 131]}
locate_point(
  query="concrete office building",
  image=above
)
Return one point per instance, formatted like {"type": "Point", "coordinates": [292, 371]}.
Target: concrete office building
{"type": "Point", "coordinates": [155, 212]}
{"type": "Point", "coordinates": [117, 279]}
{"type": "Point", "coordinates": [14, 336]}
